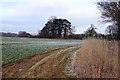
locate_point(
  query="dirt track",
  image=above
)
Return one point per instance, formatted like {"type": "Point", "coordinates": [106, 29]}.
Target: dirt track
{"type": "Point", "coordinates": [56, 63]}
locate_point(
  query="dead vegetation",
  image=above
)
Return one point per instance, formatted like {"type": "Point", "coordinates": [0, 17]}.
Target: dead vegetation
{"type": "Point", "coordinates": [94, 59]}
{"type": "Point", "coordinates": [97, 59]}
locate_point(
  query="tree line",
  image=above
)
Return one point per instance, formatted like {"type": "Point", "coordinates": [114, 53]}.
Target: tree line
{"type": "Point", "coordinates": [62, 28]}
{"type": "Point", "coordinates": [59, 30]}
{"type": "Point", "coordinates": [63, 32]}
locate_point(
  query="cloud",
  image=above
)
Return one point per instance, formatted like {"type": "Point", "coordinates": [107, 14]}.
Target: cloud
{"type": "Point", "coordinates": [29, 7]}
{"type": "Point", "coordinates": [32, 13]}
{"type": "Point", "coordinates": [84, 11]}
{"type": "Point", "coordinates": [82, 14]}
{"type": "Point", "coordinates": [16, 28]}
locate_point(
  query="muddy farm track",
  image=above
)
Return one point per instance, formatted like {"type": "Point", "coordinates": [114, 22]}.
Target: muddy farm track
{"type": "Point", "coordinates": [52, 64]}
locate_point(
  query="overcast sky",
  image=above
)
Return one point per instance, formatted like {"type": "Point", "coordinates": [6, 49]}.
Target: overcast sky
{"type": "Point", "coordinates": [31, 15]}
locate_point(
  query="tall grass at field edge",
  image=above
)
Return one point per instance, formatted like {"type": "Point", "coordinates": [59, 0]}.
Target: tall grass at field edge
{"type": "Point", "coordinates": [97, 59]}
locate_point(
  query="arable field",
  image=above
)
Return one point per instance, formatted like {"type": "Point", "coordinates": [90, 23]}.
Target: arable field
{"type": "Point", "coordinates": [14, 49]}
{"type": "Point", "coordinates": [93, 58]}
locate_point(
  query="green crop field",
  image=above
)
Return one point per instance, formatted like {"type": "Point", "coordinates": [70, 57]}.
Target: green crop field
{"type": "Point", "coordinates": [14, 49]}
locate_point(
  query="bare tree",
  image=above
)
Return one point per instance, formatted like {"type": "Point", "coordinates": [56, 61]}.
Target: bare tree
{"type": "Point", "coordinates": [110, 10]}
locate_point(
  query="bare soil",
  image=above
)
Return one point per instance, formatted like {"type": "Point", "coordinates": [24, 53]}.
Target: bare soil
{"type": "Point", "coordinates": [94, 59]}
{"type": "Point", "coordinates": [49, 64]}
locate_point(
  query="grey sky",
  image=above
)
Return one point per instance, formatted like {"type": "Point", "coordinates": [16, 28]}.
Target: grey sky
{"type": "Point", "coordinates": [31, 15]}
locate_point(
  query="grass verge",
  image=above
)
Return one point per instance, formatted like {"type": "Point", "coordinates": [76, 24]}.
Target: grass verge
{"type": "Point", "coordinates": [97, 59]}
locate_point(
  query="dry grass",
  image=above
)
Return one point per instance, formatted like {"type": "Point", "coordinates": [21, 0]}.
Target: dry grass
{"type": "Point", "coordinates": [97, 59]}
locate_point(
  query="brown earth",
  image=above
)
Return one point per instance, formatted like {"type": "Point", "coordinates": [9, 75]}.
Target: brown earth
{"type": "Point", "coordinates": [49, 64]}
{"type": "Point", "coordinates": [94, 59]}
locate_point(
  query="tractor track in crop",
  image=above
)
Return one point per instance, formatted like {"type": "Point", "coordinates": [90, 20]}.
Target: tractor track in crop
{"type": "Point", "coordinates": [51, 64]}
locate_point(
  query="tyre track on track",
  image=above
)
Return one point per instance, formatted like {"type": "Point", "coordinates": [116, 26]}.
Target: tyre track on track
{"type": "Point", "coordinates": [52, 65]}
{"type": "Point", "coordinates": [71, 65]}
